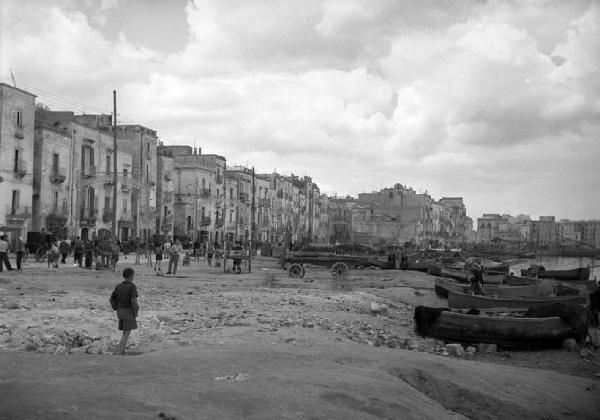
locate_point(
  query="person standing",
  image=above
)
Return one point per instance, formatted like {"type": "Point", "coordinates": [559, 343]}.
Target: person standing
{"type": "Point", "coordinates": [89, 254]}
{"type": "Point", "coordinates": [176, 249]}
{"type": "Point", "coordinates": [124, 300]}
{"type": "Point", "coordinates": [20, 252]}
{"type": "Point", "coordinates": [77, 252]}
{"type": "Point", "coordinates": [64, 250]}
{"type": "Point", "coordinates": [4, 248]}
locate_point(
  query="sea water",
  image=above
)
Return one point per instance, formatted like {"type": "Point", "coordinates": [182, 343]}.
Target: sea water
{"type": "Point", "coordinates": [559, 263]}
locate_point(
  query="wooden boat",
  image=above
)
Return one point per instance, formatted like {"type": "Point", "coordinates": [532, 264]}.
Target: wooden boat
{"type": "Point", "coordinates": [459, 275]}
{"type": "Point", "coordinates": [419, 265]}
{"type": "Point", "coordinates": [443, 285]}
{"type": "Point", "coordinates": [435, 270]}
{"type": "Point", "coordinates": [518, 280]}
{"type": "Point", "coordinates": [465, 301]}
{"type": "Point", "coordinates": [581, 273]}
{"type": "Point", "coordinates": [506, 331]}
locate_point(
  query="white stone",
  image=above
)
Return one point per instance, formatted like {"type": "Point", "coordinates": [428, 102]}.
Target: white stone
{"type": "Point", "coordinates": [455, 349]}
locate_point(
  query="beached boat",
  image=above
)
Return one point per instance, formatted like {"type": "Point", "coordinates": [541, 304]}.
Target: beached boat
{"type": "Point", "coordinates": [419, 265]}
{"type": "Point", "coordinates": [444, 285]}
{"type": "Point", "coordinates": [581, 273]}
{"type": "Point", "coordinates": [455, 274]}
{"type": "Point", "coordinates": [465, 301]}
{"type": "Point", "coordinates": [537, 329]}
{"type": "Point", "coordinates": [512, 280]}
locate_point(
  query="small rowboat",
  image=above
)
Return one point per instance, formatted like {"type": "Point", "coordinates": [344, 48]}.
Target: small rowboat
{"type": "Point", "coordinates": [581, 273]}
{"type": "Point", "coordinates": [465, 301]}
{"type": "Point", "coordinates": [508, 331]}
{"type": "Point", "coordinates": [443, 286]}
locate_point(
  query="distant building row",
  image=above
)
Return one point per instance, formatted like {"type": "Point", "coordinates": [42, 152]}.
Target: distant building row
{"type": "Point", "coordinates": [542, 232]}
{"type": "Point", "coordinates": [57, 174]}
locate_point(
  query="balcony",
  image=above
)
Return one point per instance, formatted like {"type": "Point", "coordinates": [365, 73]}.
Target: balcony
{"type": "Point", "coordinates": [88, 216]}
{"type": "Point", "coordinates": [205, 221]}
{"type": "Point", "coordinates": [204, 192]}
{"type": "Point", "coordinates": [219, 179]}
{"type": "Point", "coordinates": [167, 221]}
{"type": "Point", "coordinates": [125, 187]}
{"type": "Point", "coordinates": [58, 175]}
{"type": "Point", "coordinates": [168, 197]}
{"type": "Point", "coordinates": [18, 212]}
{"type": "Point", "coordinates": [125, 216]}
{"type": "Point", "coordinates": [19, 132]}
{"type": "Point", "coordinates": [89, 171]}
{"type": "Point", "coordinates": [107, 216]}
{"type": "Point", "coordinates": [243, 197]}
{"type": "Point", "coordinates": [219, 222]}
{"type": "Point", "coordinates": [21, 168]}
{"type": "Point", "coordinates": [263, 202]}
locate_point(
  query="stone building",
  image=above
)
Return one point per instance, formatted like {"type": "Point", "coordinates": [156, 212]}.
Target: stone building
{"type": "Point", "coordinates": [78, 147]}
{"type": "Point", "coordinates": [17, 109]}
{"type": "Point", "coordinates": [165, 193]}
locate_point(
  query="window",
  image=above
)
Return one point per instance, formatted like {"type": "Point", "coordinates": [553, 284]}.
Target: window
{"type": "Point", "coordinates": [231, 215]}
{"type": "Point", "coordinates": [108, 164]}
{"type": "Point", "coordinates": [166, 211]}
{"type": "Point", "coordinates": [125, 173]}
{"type": "Point", "coordinates": [203, 211]}
{"type": "Point", "coordinates": [55, 158]}
{"type": "Point", "coordinates": [230, 192]}
{"type": "Point", "coordinates": [189, 223]}
{"type": "Point", "coordinates": [19, 118]}
{"type": "Point", "coordinates": [17, 156]}
{"type": "Point", "coordinates": [124, 206]}
{"type": "Point", "coordinates": [55, 202]}
{"type": "Point", "coordinates": [15, 201]}
{"type": "Point", "coordinates": [217, 192]}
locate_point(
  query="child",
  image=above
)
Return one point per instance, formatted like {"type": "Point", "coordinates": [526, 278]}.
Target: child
{"type": "Point", "coordinates": [158, 250]}
{"type": "Point", "coordinates": [124, 300]}
{"type": "Point", "coordinates": [186, 259]}
{"type": "Point", "coordinates": [52, 256]}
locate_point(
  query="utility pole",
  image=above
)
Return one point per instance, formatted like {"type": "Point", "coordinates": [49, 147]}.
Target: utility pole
{"type": "Point", "coordinates": [253, 213]}
{"type": "Point", "coordinates": [114, 202]}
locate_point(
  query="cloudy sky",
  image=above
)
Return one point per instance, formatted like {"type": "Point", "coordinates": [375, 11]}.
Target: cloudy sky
{"type": "Point", "coordinates": [494, 101]}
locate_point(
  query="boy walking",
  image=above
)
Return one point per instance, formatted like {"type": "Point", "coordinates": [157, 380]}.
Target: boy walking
{"type": "Point", "coordinates": [124, 300]}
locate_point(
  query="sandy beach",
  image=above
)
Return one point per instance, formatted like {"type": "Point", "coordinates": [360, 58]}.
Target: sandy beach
{"type": "Point", "coordinates": [261, 346]}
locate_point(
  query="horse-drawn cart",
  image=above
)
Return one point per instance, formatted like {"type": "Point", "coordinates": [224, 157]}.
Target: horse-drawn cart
{"type": "Point", "coordinates": [339, 265]}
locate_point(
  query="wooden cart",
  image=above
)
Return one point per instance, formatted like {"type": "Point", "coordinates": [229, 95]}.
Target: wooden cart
{"type": "Point", "coordinates": [339, 265]}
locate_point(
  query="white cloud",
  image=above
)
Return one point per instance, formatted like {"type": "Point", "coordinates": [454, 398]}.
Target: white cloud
{"type": "Point", "coordinates": [474, 99]}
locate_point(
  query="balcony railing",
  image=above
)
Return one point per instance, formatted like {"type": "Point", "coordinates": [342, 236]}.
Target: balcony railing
{"type": "Point", "coordinates": [18, 212]}
{"type": "Point", "coordinates": [107, 216]}
{"type": "Point", "coordinates": [263, 202]}
{"type": "Point", "coordinates": [205, 221]}
{"type": "Point", "coordinates": [167, 221]}
{"type": "Point", "coordinates": [19, 132]}
{"type": "Point", "coordinates": [21, 168]}
{"type": "Point", "coordinates": [167, 197]}
{"type": "Point", "coordinates": [125, 216]}
{"type": "Point", "coordinates": [89, 215]}
{"type": "Point", "coordinates": [89, 171]}
{"type": "Point", "coordinates": [243, 197]}
{"type": "Point", "coordinates": [58, 175]}
{"type": "Point", "coordinates": [219, 222]}
{"type": "Point", "coordinates": [125, 187]}
{"type": "Point", "coordinates": [204, 192]}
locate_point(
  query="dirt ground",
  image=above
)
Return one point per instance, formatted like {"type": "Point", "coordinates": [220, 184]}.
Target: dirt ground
{"type": "Point", "coordinates": [261, 346]}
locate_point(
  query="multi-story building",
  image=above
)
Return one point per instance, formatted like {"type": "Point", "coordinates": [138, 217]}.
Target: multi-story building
{"type": "Point", "coordinates": [17, 109]}
{"type": "Point", "coordinates": [199, 193]}
{"type": "Point", "coordinates": [165, 192]}
{"type": "Point", "coordinates": [74, 177]}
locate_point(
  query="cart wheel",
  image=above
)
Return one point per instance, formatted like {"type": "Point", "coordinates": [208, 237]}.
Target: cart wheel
{"type": "Point", "coordinates": [339, 270]}
{"type": "Point", "coordinates": [296, 271]}
{"type": "Point", "coordinates": [40, 254]}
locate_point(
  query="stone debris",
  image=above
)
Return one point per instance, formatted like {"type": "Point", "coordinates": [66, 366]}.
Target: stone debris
{"type": "Point", "coordinates": [236, 377]}
{"type": "Point", "coordinates": [455, 349]}
{"type": "Point", "coordinates": [570, 344]}
{"type": "Point", "coordinates": [487, 348]}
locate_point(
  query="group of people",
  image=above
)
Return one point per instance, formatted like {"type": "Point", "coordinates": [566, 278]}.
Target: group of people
{"type": "Point", "coordinates": [5, 249]}
{"type": "Point", "coordinates": [170, 251]}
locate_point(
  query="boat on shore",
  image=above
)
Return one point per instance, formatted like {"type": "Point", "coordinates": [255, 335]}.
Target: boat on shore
{"type": "Point", "coordinates": [465, 301]}
{"type": "Point", "coordinates": [545, 327]}
{"type": "Point", "coordinates": [444, 285]}
{"type": "Point", "coordinates": [581, 273]}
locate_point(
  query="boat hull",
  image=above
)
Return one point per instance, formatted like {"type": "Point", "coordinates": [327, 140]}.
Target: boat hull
{"type": "Point", "coordinates": [465, 301]}
{"type": "Point", "coordinates": [506, 331]}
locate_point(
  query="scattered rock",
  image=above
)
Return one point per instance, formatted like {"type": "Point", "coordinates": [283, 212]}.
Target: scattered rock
{"type": "Point", "coordinates": [570, 344]}
{"type": "Point", "coordinates": [487, 348]}
{"type": "Point", "coordinates": [237, 377]}
{"type": "Point", "coordinates": [378, 308]}
{"type": "Point", "coordinates": [455, 349]}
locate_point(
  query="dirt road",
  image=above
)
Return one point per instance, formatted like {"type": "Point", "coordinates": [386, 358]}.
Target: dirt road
{"type": "Point", "coordinates": [219, 345]}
